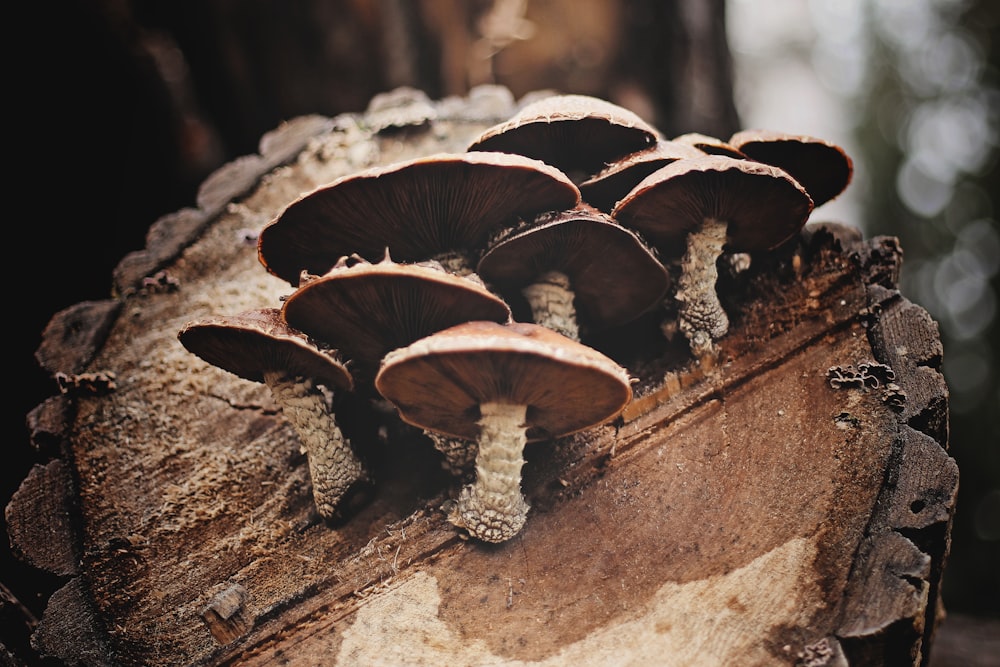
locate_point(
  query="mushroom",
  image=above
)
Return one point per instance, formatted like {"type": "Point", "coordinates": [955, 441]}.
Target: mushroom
{"type": "Point", "coordinates": [501, 385]}
{"type": "Point", "coordinates": [366, 310]}
{"type": "Point", "coordinates": [822, 167]}
{"type": "Point", "coordinates": [605, 188]}
{"type": "Point", "coordinates": [257, 345]}
{"type": "Point", "coordinates": [575, 268]}
{"type": "Point", "coordinates": [441, 207]}
{"type": "Point", "coordinates": [710, 145]}
{"type": "Point", "coordinates": [705, 206]}
{"type": "Point", "coordinates": [578, 134]}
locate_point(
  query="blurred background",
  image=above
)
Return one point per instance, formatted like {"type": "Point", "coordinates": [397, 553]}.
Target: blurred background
{"type": "Point", "coordinates": [125, 106]}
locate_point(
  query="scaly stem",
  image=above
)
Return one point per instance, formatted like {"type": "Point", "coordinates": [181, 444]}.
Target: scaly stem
{"type": "Point", "coordinates": [459, 454]}
{"type": "Point", "coordinates": [454, 261]}
{"type": "Point", "coordinates": [551, 301]}
{"type": "Point", "coordinates": [492, 508]}
{"type": "Point", "coordinates": [333, 465]}
{"type": "Point", "coordinates": [701, 316]}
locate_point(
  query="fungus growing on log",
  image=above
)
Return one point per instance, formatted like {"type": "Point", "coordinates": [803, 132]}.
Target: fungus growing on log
{"type": "Point", "coordinates": [441, 207]}
{"type": "Point", "coordinates": [702, 207]}
{"type": "Point", "coordinates": [577, 134]}
{"type": "Point", "coordinates": [501, 386]}
{"type": "Point", "coordinates": [257, 345]}
{"type": "Point", "coordinates": [577, 269]}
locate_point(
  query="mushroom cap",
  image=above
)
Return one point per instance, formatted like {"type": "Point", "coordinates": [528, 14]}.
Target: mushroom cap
{"type": "Point", "coordinates": [709, 145]}
{"type": "Point", "coordinates": [575, 133]}
{"type": "Point", "coordinates": [439, 382]}
{"type": "Point", "coordinates": [253, 342]}
{"type": "Point", "coordinates": [366, 310]}
{"type": "Point", "coordinates": [613, 274]}
{"type": "Point", "coordinates": [417, 208]}
{"type": "Point", "coordinates": [822, 167]}
{"type": "Point", "coordinates": [605, 188]}
{"type": "Point", "coordinates": [762, 204]}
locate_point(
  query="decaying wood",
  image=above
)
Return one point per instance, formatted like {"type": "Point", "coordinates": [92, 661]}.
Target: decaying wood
{"type": "Point", "coordinates": [790, 505]}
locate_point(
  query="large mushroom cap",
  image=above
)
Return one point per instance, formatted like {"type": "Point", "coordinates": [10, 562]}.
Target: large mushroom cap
{"type": "Point", "coordinates": [762, 205]}
{"type": "Point", "coordinates": [417, 208]}
{"type": "Point", "coordinates": [251, 343]}
{"type": "Point", "coordinates": [578, 134]}
{"type": "Point", "coordinates": [604, 189]}
{"type": "Point", "coordinates": [439, 382]}
{"type": "Point", "coordinates": [613, 274]}
{"type": "Point", "coordinates": [823, 168]}
{"type": "Point", "coordinates": [365, 310]}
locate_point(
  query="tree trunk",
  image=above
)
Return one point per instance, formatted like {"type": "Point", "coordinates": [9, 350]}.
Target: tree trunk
{"type": "Point", "coordinates": [791, 505]}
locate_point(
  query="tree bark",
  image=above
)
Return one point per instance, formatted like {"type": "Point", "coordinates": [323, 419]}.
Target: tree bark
{"type": "Point", "coordinates": [790, 505]}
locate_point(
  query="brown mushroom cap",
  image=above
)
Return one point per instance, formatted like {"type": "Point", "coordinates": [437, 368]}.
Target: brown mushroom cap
{"type": "Point", "coordinates": [578, 134]}
{"type": "Point", "coordinates": [614, 276]}
{"type": "Point", "coordinates": [604, 189]}
{"type": "Point", "coordinates": [439, 382]}
{"type": "Point", "coordinates": [251, 343]}
{"type": "Point", "coordinates": [823, 168]}
{"type": "Point", "coordinates": [709, 145]}
{"type": "Point", "coordinates": [417, 208]}
{"type": "Point", "coordinates": [366, 310]}
{"type": "Point", "coordinates": [762, 205]}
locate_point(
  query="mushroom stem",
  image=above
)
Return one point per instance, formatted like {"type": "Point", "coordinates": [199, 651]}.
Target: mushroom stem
{"type": "Point", "coordinates": [492, 508]}
{"type": "Point", "coordinates": [455, 261]}
{"type": "Point", "coordinates": [551, 301]}
{"type": "Point", "coordinates": [333, 465]}
{"type": "Point", "coordinates": [701, 316]}
{"type": "Point", "coordinates": [459, 454]}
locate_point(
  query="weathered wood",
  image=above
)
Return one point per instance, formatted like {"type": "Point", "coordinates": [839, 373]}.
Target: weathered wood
{"type": "Point", "coordinates": [41, 520]}
{"type": "Point", "coordinates": [790, 505]}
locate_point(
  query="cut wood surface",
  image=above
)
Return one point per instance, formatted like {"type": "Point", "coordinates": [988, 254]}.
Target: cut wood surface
{"type": "Point", "coordinates": [790, 505]}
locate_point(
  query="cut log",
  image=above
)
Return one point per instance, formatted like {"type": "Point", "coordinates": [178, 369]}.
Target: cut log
{"type": "Point", "coordinates": [790, 505]}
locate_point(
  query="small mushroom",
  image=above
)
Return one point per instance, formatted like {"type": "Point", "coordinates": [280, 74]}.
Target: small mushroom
{"type": "Point", "coordinates": [576, 268]}
{"type": "Point", "coordinates": [257, 345]}
{"type": "Point", "coordinates": [604, 189]}
{"type": "Point", "coordinates": [501, 385]}
{"type": "Point", "coordinates": [441, 207]}
{"type": "Point", "coordinates": [702, 207]}
{"type": "Point", "coordinates": [822, 167]}
{"type": "Point", "coordinates": [710, 145]}
{"type": "Point", "coordinates": [577, 134]}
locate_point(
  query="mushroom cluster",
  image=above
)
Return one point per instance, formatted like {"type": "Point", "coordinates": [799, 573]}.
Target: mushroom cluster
{"type": "Point", "coordinates": [462, 288]}
{"type": "Point", "coordinates": [694, 198]}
